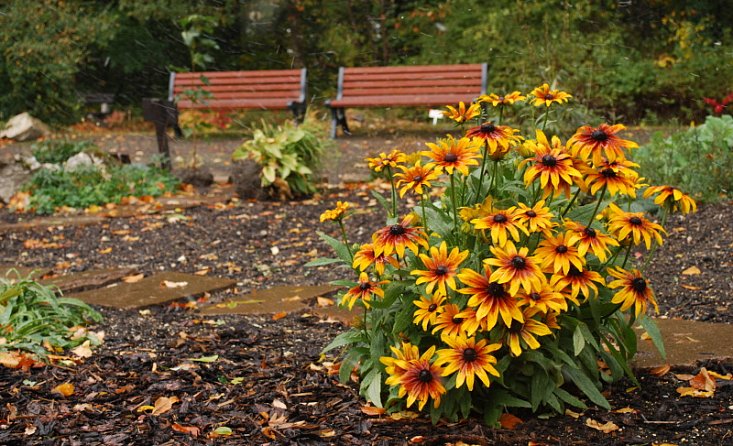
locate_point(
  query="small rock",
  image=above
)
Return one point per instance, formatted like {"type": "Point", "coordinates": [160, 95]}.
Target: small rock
{"type": "Point", "coordinates": [24, 127]}
{"type": "Point", "coordinates": [12, 177]}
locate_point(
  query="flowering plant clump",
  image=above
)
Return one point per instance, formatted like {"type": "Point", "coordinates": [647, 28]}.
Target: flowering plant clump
{"type": "Point", "coordinates": [509, 285]}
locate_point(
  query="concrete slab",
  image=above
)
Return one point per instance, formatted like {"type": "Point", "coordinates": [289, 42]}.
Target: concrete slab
{"type": "Point", "coordinates": [687, 343]}
{"type": "Point", "coordinates": [338, 313]}
{"type": "Point", "coordinates": [87, 280]}
{"type": "Point", "coordinates": [15, 272]}
{"type": "Point", "coordinates": [47, 222]}
{"type": "Point", "coordinates": [272, 300]}
{"type": "Point", "coordinates": [156, 289]}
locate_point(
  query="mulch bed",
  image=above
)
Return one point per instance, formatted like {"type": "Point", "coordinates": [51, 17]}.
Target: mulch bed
{"type": "Point", "coordinates": [269, 383]}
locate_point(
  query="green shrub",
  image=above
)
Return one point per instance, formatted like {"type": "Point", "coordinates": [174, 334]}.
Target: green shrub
{"type": "Point", "coordinates": [698, 160]}
{"type": "Point", "coordinates": [57, 151]}
{"type": "Point", "coordinates": [87, 186]}
{"type": "Point", "coordinates": [32, 318]}
{"type": "Point", "coordinates": [286, 154]}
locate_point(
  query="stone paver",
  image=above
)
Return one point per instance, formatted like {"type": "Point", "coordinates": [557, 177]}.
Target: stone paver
{"type": "Point", "coordinates": [15, 272]}
{"type": "Point", "coordinates": [156, 289]}
{"type": "Point", "coordinates": [87, 280]}
{"type": "Point", "coordinates": [272, 300]}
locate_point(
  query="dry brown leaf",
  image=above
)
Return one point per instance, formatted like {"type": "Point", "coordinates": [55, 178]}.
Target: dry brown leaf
{"type": "Point", "coordinates": [189, 430]}
{"type": "Point", "coordinates": [10, 360]}
{"type": "Point", "coordinates": [373, 411]}
{"type": "Point", "coordinates": [134, 278]}
{"type": "Point", "coordinates": [84, 350]}
{"type": "Point", "coordinates": [509, 421]}
{"type": "Point", "coordinates": [690, 287]}
{"type": "Point", "coordinates": [703, 381]}
{"type": "Point", "coordinates": [278, 316]}
{"type": "Point", "coordinates": [626, 410]}
{"type": "Point", "coordinates": [106, 250]}
{"type": "Point", "coordinates": [692, 271]}
{"type": "Point", "coordinates": [325, 302]}
{"type": "Point", "coordinates": [327, 433]}
{"type": "Point", "coordinates": [684, 376]}
{"type": "Point", "coordinates": [606, 428]}
{"type": "Point", "coordinates": [65, 389]}
{"type": "Point", "coordinates": [660, 370]}
{"type": "Point", "coordinates": [170, 284]}
{"type": "Point", "coordinates": [164, 404]}
{"type": "Point", "coordinates": [695, 393]}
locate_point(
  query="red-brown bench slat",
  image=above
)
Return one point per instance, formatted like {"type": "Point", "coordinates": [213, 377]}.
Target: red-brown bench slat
{"type": "Point", "coordinates": [405, 86]}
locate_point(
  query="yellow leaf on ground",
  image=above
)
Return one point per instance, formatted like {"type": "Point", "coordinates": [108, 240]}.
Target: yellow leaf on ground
{"type": "Point", "coordinates": [134, 278]}
{"type": "Point", "coordinates": [572, 414]}
{"type": "Point", "coordinates": [373, 411]}
{"type": "Point", "coordinates": [164, 404]}
{"type": "Point", "coordinates": [65, 389]}
{"type": "Point", "coordinates": [106, 250]}
{"type": "Point", "coordinates": [278, 316]}
{"type": "Point", "coordinates": [661, 370]}
{"type": "Point", "coordinates": [726, 377]}
{"type": "Point", "coordinates": [703, 381]}
{"type": "Point", "coordinates": [626, 410]}
{"type": "Point", "coordinates": [170, 284]}
{"type": "Point", "coordinates": [695, 393]}
{"type": "Point", "coordinates": [690, 287]}
{"type": "Point", "coordinates": [692, 271]}
{"type": "Point", "coordinates": [10, 360]}
{"type": "Point", "coordinates": [83, 351]}
{"type": "Point", "coordinates": [606, 428]}
{"type": "Point", "coordinates": [325, 302]}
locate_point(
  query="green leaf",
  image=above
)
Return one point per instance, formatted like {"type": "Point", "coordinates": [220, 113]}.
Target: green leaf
{"type": "Point", "coordinates": [347, 338]}
{"type": "Point", "coordinates": [650, 326]}
{"type": "Point", "coordinates": [339, 247]}
{"type": "Point", "coordinates": [349, 362]}
{"type": "Point", "coordinates": [321, 261]}
{"type": "Point", "coordinates": [223, 430]}
{"type": "Point", "coordinates": [578, 340]}
{"type": "Point", "coordinates": [586, 386]}
{"type": "Point", "coordinates": [569, 399]}
{"type": "Point", "coordinates": [206, 359]}
{"type": "Point", "coordinates": [374, 390]}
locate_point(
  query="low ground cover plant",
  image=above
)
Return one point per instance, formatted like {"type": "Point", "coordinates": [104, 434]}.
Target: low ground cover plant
{"type": "Point", "coordinates": [510, 284]}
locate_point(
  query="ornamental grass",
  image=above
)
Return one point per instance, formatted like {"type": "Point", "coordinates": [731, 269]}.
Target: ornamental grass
{"type": "Point", "coordinates": [511, 284]}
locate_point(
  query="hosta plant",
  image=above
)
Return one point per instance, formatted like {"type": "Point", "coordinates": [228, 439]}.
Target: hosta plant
{"type": "Point", "coordinates": [511, 283]}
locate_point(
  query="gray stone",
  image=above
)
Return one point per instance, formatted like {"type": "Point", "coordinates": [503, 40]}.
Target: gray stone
{"type": "Point", "coordinates": [246, 179]}
{"type": "Point", "coordinates": [24, 127]}
{"type": "Point", "coordinates": [82, 159]}
{"type": "Point", "coordinates": [12, 177]}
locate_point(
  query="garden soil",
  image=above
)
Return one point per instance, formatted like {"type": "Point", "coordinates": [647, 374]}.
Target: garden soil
{"type": "Point", "coordinates": [169, 375]}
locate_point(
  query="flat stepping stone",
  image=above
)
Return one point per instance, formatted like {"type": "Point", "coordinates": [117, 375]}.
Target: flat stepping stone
{"type": "Point", "coordinates": [47, 222]}
{"type": "Point", "coordinates": [277, 299]}
{"type": "Point", "coordinates": [87, 280]}
{"type": "Point", "coordinates": [338, 314]}
{"type": "Point", "coordinates": [156, 289]}
{"type": "Point", "coordinates": [15, 272]}
{"type": "Point", "coordinates": [687, 343]}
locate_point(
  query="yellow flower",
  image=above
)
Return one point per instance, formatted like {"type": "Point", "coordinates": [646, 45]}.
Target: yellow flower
{"type": "Point", "coordinates": [672, 197]}
{"type": "Point", "coordinates": [470, 359]}
{"type": "Point", "coordinates": [397, 237]}
{"type": "Point", "coordinates": [490, 299]}
{"type": "Point", "coordinates": [558, 254]}
{"type": "Point", "coordinates": [450, 153]}
{"type": "Point", "coordinates": [516, 268]}
{"type": "Point", "coordinates": [461, 114]}
{"type": "Point", "coordinates": [428, 309]}
{"type": "Point", "coordinates": [363, 291]}
{"type": "Point", "coordinates": [552, 165]}
{"type": "Point", "coordinates": [545, 300]}
{"type": "Point", "coordinates": [394, 158]}
{"type": "Point", "coordinates": [497, 100]}
{"type": "Point", "coordinates": [415, 178]}
{"type": "Point", "coordinates": [366, 257]}
{"type": "Point", "coordinates": [336, 214]}
{"type": "Point", "coordinates": [616, 176]}
{"type": "Point", "coordinates": [501, 224]}
{"type": "Point", "coordinates": [418, 379]}
{"type": "Point", "coordinates": [544, 96]}
{"type": "Point", "coordinates": [635, 291]}
{"type": "Point", "coordinates": [599, 142]}
{"type": "Point", "coordinates": [441, 268]}
{"type": "Point", "coordinates": [635, 226]}
{"type": "Point", "coordinates": [590, 239]}
{"type": "Point", "coordinates": [537, 218]}
{"type": "Point", "coordinates": [448, 322]}
{"type": "Point", "coordinates": [523, 333]}
{"type": "Point", "coordinates": [499, 139]}
{"type": "Point", "coordinates": [576, 282]}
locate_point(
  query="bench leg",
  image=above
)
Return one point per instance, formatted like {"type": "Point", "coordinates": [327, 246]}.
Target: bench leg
{"type": "Point", "coordinates": [298, 109]}
{"type": "Point", "coordinates": [338, 117]}
{"type": "Point", "coordinates": [163, 148]}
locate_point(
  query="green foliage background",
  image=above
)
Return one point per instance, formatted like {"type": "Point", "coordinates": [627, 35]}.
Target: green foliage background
{"type": "Point", "coordinates": [640, 61]}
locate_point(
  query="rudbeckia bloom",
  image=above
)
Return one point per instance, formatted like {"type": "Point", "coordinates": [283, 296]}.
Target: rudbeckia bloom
{"type": "Point", "coordinates": [545, 300]}
{"type": "Point", "coordinates": [635, 226]}
{"type": "Point", "coordinates": [501, 224]}
{"type": "Point", "coordinates": [553, 165]}
{"type": "Point", "coordinates": [428, 309]}
{"type": "Point", "coordinates": [462, 114]}
{"type": "Point", "coordinates": [416, 177]}
{"type": "Point", "coordinates": [617, 176]}
{"type": "Point", "coordinates": [406, 354]}
{"type": "Point", "coordinates": [497, 100]}
{"type": "Point", "coordinates": [578, 282]}
{"type": "Point", "coordinates": [599, 142]}
{"type": "Point", "coordinates": [544, 96]}
{"type": "Point", "coordinates": [383, 160]}
{"type": "Point", "coordinates": [558, 253]}
{"type": "Point", "coordinates": [449, 323]}
{"type": "Point", "coordinates": [499, 139]}
{"type": "Point", "coordinates": [490, 299]}
{"type": "Point", "coordinates": [363, 291]}
{"type": "Point", "coordinates": [420, 380]}
{"type": "Point", "coordinates": [442, 268]}
{"type": "Point", "coordinates": [336, 214]}
{"type": "Point", "coordinates": [537, 218]}
{"type": "Point", "coordinates": [516, 268]}
{"type": "Point", "coordinates": [470, 359]}
{"type": "Point", "coordinates": [366, 257]}
{"type": "Point", "coordinates": [397, 237]}
{"type": "Point", "coordinates": [635, 290]}
{"type": "Point", "coordinates": [450, 153]}
{"type": "Point", "coordinates": [471, 322]}
{"type": "Point", "coordinates": [671, 197]}
{"type": "Point", "coordinates": [590, 239]}
{"type": "Point", "coordinates": [523, 333]}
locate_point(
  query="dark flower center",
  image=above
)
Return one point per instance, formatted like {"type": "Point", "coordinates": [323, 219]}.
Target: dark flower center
{"type": "Point", "coordinates": [488, 128]}
{"type": "Point", "coordinates": [425, 376]}
{"type": "Point", "coordinates": [638, 284]}
{"type": "Point", "coordinates": [549, 97]}
{"type": "Point", "coordinates": [574, 272]}
{"type": "Point", "coordinates": [450, 158]}
{"type": "Point", "coordinates": [599, 135]}
{"type": "Point", "coordinates": [519, 262]}
{"type": "Point", "coordinates": [500, 218]}
{"type": "Point", "coordinates": [636, 221]}
{"type": "Point", "coordinates": [590, 232]}
{"type": "Point", "coordinates": [531, 214]}
{"type": "Point", "coordinates": [608, 173]}
{"type": "Point", "coordinates": [457, 320]}
{"type": "Point", "coordinates": [516, 326]}
{"type": "Point", "coordinates": [562, 249]}
{"type": "Point", "coordinates": [549, 160]}
{"type": "Point", "coordinates": [365, 286]}
{"type": "Point", "coordinates": [442, 270]}
{"type": "Point", "coordinates": [396, 230]}
{"type": "Point", "coordinates": [535, 296]}
{"type": "Point", "coordinates": [432, 307]}
{"type": "Point", "coordinates": [496, 289]}
{"type": "Point", "coordinates": [469, 355]}
{"type": "Point", "coordinates": [417, 178]}
{"type": "Point", "coordinates": [501, 98]}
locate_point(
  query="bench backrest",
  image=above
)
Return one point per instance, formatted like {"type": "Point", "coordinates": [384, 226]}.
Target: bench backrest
{"type": "Point", "coordinates": [264, 89]}
{"type": "Point", "coordinates": [426, 84]}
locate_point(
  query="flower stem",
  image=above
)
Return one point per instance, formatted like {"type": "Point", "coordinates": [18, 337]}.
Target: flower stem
{"type": "Point", "coordinates": [493, 176]}
{"type": "Point", "coordinates": [626, 257]}
{"type": "Point", "coordinates": [575, 197]}
{"type": "Point", "coordinates": [501, 113]}
{"type": "Point", "coordinates": [544, 123]}
{"type": "Point", "coordinates": [598, 205]}
{"type": "Point", "coordinates": [453, 200]}
{"type": "Point", "coordinates": [483, 170]}
{"type": "Point", "coordinates": [346, 240]}
{"type": "Point", "coordinates": [394, 192]}
{"type": "Point", "coordinates": [424, 217]}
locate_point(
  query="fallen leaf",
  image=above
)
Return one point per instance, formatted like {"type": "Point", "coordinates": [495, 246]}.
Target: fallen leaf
{"type": "Point", "coordinates": [278, 316]}
{"type": "Point", "coordinates": [606, 428]}
{"type": "Point", "coordinates": [695, 393]}
{"type": "Point", "coordinates": [83, 351]}
{"type": "Point", "coordinates": [373, 411]}
{"type": "Point", "coordinates": [660, 371]}
{"type": "Point", "coordinates": [572, 414]}
{"type": "Point", "coordinates": [10, 360]}
{"type": "Point", "coordinates": [327, 433]}
{"type": "Point", "coordinates": [206, 359]}
{"type": "Point", "coordinates": [277, 404]}
{"type": "Point", "coordinates": [692, 271]}
{"type": "Point", "coordinates": [106, 250]}
{"type": "Point", "coordinates": [726, 377]}
{"type": "Point", "coordinates": [703, 381]}
{"type": "Point", "coordinates": [164, 404]}
{"type": "Point", "coordinates": [189, 430]}
{"type": "Point", "coordinates": [684, 376]}
{"type": "Point", "coordinates": [134, 278]}
{"type": "Point", "coordinates": [65, 389]}
{"type": "Point", "coordinates": [30, 429]}
{"type": "Point", "coordinates": [221, 431]}
{"type": "Point", "coordinates": [690, 287]}
{"type": "Point", "coordinates": [509, 421]}
{"type": "Point", "coordinates": [169, 284]}
{"type": "Point", "coordinates": [325, 302]}
{"type": "Point", "coordinates": [626, 410]}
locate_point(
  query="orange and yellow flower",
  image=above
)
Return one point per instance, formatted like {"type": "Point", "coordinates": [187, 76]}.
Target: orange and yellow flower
{"type": "Point", "coordinates": [490, 299]}
{"type": "Point", "coordinates": [497, 100]}
{"type": "Point", "coordinates": [552, 164]}
{"type": "Point", "coordinates": [635, 226]}
{"type": "Point", "coordinates": [545, 300]}
{"type": "Point", "coordinates": [522, 334]}
{"type": "Point", "coordinates": [537, 218]}
{"type": "Point", "coordinates": [590, 239]}
{"type": "Point", "coordinates": [577, 282]}
{"type": "Point", "coordinates": [442, 268]}
{"type": "Point", "coordinates": [397, 237]}
{"type": "Point", "coordinates": [557, 253]}
{"type": "Point", "coordinates": [428, 309]}
{"type": "Point", "coordinates": [415, 178]}
{"type": "Point", "coordinates": [363, 292]}
{"type": "Point", "coordinates": [391, 160]}
{"type": "Point", "coordinates": [672, 197]}
{"type": "Point", "coordinates": [616, 176]}
{"type": "Point", "coordinates": [448, 322]}
{"type": "Point", "coordinates": [366, 257]}
{"type": "Point", "coordinates": [336, 214]}
{"type": "Point", "coordinates": [635, 290]}
{"type": "Point", "coordinates": [408, 353]}
{"type": "Point", "coordinates": [501, 224]}
{"type": "Point", "coordinates": [599, 142]}
{"type": "Point", "coordinates": [543, 95]}
{"type": "Point", "coordinates": [453, 154]}
{"type": "Point", "coordinates": [468, 359]}
{"type": "Point", "coordinates": [516, 268]}
{"type": "Point", "coordinates": [462, 114]}
{"type": "Point", "coordinates": [418, 379]}
{"type": "Point", "coordinates": [499, 139]}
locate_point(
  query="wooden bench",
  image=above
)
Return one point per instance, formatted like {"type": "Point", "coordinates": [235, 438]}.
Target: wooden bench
{"type": "Point", "coordinates": [405, 86]}
{"type": "Point", "coordinates": [241, 90]}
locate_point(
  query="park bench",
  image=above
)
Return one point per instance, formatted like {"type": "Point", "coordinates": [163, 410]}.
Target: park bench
{"type": "Point", "coordinates": [404, 86]}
